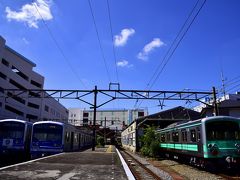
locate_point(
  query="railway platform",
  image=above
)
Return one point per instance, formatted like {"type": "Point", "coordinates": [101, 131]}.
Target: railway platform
{"type": "Point", "coordinates": [104, 163]}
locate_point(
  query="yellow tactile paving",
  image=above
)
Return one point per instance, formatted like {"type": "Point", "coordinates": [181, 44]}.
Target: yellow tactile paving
{"type": "Point", "coordinates": [109, 149]}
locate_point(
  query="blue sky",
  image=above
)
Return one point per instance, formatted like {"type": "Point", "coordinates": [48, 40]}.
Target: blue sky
{"type": "Point", "coordinates": [142, 32]}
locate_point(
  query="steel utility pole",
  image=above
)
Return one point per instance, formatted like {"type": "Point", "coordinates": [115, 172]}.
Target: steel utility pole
{"type": "Point", "coordinates": [105, 130]}
{"type": "Point", "coordinates": [215, 105]}
{"type": "Point", "coordinates": [94, 118]}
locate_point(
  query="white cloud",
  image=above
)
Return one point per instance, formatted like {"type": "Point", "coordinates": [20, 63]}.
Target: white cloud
{"type": "Point", "coordinates": [148, 48]}
{"type": "Point", "coordinates": [31, 13]}
{"type": "Point", "coordinates": [121, 40]}
{"type": "Point", "coordinates": [124, 63]}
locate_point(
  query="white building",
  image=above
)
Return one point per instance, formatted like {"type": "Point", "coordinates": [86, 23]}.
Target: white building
{"type": "Point", "coordinates": [16, 72]}
{"type": "Point", "coordinates": [113, 119]}
{"type": "Point", "coordinates": [228, 105]}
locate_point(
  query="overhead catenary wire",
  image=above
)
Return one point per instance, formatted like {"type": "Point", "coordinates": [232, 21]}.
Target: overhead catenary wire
{"type": "Point", "coordinates": [178, 43]}
{"type": "Point", "coordinates": [113, 48]}
{"type": "Point", "coordinates": [58, 46]}
{"type": "Point", "coordinates": [229, 84]}
{"type": "Point", "coordinates": [99, 42]}
{"type": "Point", "coordinates": [175, 44]}
{"type": "Point", "coordinates": [234, 87]}
{"type": "Point", "coordinates": [172, 44]}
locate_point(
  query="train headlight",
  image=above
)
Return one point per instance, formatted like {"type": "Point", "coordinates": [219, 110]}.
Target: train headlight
{"type": "Point", "coordinates": [213, 149]}
{"type": "Point", "coordinates": [237, 146]}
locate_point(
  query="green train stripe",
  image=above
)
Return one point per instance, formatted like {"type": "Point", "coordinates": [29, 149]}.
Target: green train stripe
{"type": "Point", "coordinates": [188, 147]}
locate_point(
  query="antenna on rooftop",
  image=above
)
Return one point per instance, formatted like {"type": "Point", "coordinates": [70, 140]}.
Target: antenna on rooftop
{"type": "Point", "coordinates": [223, 84]}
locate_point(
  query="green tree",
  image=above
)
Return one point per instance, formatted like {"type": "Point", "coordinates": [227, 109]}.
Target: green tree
{"type": "Point", "coordinates": [150, 142]}
{"type": "Point", "coordinates": [100, 141]}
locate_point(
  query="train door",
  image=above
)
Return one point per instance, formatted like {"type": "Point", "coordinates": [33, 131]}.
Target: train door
{"type": "Point", "coordinates": [199, 140]}
{"type": "Point", "coordinates": [72, 141]}
{"type": "Point", "coordinates": [196, 139]}
{"type": "Point", "coordinates": [79, 141]}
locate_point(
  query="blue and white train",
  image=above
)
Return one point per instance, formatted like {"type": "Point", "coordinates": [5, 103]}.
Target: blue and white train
{"type": "Point", "coordinates": [15, 138]}
{"type": "Point", "coordinates": [49, 137]}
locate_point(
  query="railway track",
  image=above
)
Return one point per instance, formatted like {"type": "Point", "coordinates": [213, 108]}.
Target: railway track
{"type": "Point", "coordinates": [173, 170]}
{"type": "Point", "coordinates": [230, 175]}
{"type": "Point", "coordinates": [139, 170]}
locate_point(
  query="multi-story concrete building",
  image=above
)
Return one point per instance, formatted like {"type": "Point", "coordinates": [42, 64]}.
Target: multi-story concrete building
{"type": "Point", "coordinates": [113, 119]}
{"type": "Point", "coordinates": [16, 72]}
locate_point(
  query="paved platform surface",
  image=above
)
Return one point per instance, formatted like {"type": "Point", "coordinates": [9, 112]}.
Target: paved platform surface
{"type": "Point", "coordinates": [103, 163]}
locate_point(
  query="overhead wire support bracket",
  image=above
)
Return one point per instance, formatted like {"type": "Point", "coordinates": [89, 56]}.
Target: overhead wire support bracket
{"type": "Point", "coordinates": [119, 94]}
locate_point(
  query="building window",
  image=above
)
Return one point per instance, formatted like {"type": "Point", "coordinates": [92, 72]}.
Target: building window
{"type": "Point", "coordinates": [0, 104]}
{"type": "Point", "coordinates": [16, 98]}
{"type": "Point", "coordinates": [140, 114]}
{"type": "Point", "coordinates": [85, 114]}
{"type": "Point", "coordinates": [16, 84]}
{"type": "Point", "coordinates": [30, 116]}
{"type": "Point", "coordinates": [3, 76]}
{"type": "Point", "coordinates": [6, 63]}
{"type": "Point", "coordinates": [32, 105]}
{"type": "Point", "coordinates": [112, 122]}
{"type": "Point", "coordinates": [13, 110]}
{"type": "Point", "coordinates": [85, 122]}
{"type": "Point", "coordinates": [33, 94]}
{"type": "Point", "coordinates": [1, 90]}
{"type": "Point", "coordinates": [15, 70]}
{"type": "Point", "coordinates": [46, 108]}
{"type": "Point", "coordinates": [36, 84]}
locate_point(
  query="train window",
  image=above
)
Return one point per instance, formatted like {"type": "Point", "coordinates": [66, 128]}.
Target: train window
{"type": "Point", "coordinates": [223, 130]}
{"type": "Point", "coordinates": [162, 137]}
{"type": "Point", "coordinates": [67, 136]}
{"type": "Point", "coordinates": [198, 134]}
{"type": "Point", "coordinates": [193, 135]}
{"type": "Point", "coordinates": [76, 137]}
{"type": "Point", "coordinates": [11, 130]}
{"type": "Point", "coordinates": [44, 132]}
{"type": "Point", "coordinates": [168, 137]}
{"type": "Point", "coordinates": [175, 136]}
{"type": "Point", "coordinates": [184, 136]}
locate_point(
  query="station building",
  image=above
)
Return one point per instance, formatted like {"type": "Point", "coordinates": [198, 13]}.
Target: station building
{"type": "Point", "coordinates": [112, 119]}
{"type": "Point", "coordinates": [16, 72]}
{"type": "Point", "coordinates": [130, 137]}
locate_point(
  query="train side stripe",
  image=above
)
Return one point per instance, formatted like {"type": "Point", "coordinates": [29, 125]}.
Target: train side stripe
{"type": "Point", "coordinates": [189, 147]}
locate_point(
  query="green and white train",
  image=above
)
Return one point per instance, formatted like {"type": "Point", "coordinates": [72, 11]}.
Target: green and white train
{"type": "Point", "coordinates": [203, 142]}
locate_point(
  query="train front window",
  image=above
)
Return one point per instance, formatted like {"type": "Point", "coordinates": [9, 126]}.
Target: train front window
{"type": "Point", "coordinates": [223, 130]}
{"type": "Point", "coordinates": [11, 130]}
{"type": "Point", "coordinates": [46, 132]}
